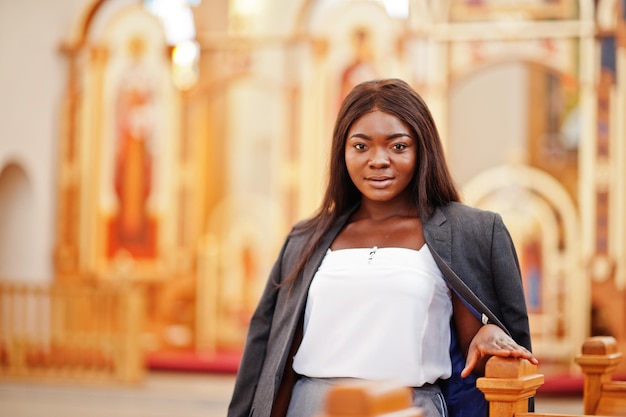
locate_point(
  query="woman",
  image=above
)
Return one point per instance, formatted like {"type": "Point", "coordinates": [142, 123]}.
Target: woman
{"type": "Point", "coordinates": [357, 291]}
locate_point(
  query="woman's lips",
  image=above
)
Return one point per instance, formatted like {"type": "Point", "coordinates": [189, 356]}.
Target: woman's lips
{"type": "Point", "coordinates": [379, 182]}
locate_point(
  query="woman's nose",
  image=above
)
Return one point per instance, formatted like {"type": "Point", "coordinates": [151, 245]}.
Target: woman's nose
{"type": "Point", "coordinates": [379, 158]}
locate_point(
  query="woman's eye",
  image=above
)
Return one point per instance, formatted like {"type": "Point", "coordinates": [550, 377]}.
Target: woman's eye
{"type": "Point", "coordinates": [359, 146]}
{"type": "Point", "coordinates": [399, 146]}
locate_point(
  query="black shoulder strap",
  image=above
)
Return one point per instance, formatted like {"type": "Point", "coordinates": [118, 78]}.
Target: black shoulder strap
{"type": "Point", "coordinates": [473, 303]}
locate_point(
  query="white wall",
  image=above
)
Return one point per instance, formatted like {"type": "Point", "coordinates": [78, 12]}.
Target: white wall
{"type": "Point", "coordinates": [488, 116]}
{"type": "Point", "coordinates": [32, 78]}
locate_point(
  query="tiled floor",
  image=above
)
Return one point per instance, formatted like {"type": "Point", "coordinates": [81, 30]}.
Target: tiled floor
{"type": "Point", "coordinates": [161, 395]}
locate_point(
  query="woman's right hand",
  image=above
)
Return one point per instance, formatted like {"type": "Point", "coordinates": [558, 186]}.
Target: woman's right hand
{"type": "Point", "coordinates": [491, 340]}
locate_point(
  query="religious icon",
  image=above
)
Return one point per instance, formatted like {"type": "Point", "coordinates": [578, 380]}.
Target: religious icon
{"type": "Point", "coordinates": [132, 229]}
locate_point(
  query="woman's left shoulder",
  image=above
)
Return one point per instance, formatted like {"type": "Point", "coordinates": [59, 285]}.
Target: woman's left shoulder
{"type": "Point", "coordinates": [464, 213]}
{"type": "Point", "coordinates": [474, 224]}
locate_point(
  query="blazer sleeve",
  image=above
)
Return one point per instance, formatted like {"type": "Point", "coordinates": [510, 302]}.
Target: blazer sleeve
{"type": "Point", "coordinates": [256, 344]}
{"type": "Point", "coordinates": [507, 281]}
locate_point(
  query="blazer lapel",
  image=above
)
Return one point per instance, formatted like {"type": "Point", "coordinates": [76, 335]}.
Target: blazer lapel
{"type": "Point", "coordinates": [438, 235]}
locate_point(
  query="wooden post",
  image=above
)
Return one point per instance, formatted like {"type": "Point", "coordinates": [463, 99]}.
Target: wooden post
{"type": "Point", "coordinates": [370, 399]}
{"type": "Point", "coordinates": [15, 319]}
{"type": "Point", "coordinates": [507, 385]}
{"type": "Point", "coordinates": [598, 360]}
{"type": "Point", "coordinates": [129, 366]}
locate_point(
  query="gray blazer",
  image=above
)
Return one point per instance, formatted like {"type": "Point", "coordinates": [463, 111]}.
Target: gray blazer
{"type": "Point", "coordinates": [474, 243]}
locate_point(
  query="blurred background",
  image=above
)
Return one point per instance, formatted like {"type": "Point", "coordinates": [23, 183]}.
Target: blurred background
{"type": "Point", "coordinates": [154, 154]}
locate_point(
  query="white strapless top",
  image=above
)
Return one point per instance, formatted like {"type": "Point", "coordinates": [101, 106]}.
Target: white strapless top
{"type": "Point", "coordinates": [377, 314]}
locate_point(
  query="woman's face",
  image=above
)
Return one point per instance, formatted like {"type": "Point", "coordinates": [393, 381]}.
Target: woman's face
{"type": "Point", "coordinates": [380, 156]}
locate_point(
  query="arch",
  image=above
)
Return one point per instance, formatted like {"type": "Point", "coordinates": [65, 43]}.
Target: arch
{"type": "Point", "coordinates": [17, 224]}
{"type": "Point", "coordinates": [78, 35]}
{"type": "Point", "coordinates": [533, 195]}
{"type": "Point", "coordinates": [535, 180]}
{"type": "Point", "coordinates": [81, 28]}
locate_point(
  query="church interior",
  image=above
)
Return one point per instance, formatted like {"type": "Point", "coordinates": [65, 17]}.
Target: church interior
{"type": "Point", "coordinates": [154, 154]}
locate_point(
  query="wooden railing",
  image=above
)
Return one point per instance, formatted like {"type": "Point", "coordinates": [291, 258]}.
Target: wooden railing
{"type": "Point", "coordinates": [508, 384]}
{"type": "Point", "coordinates": [598, 360]}
{"type": "Point", "coordinates": [77, 331]}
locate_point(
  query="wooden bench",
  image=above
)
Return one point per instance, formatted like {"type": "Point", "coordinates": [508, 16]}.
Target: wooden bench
{"type": "Point", "coordinates": [507, 385]}
{"type": "Point", "coordinates": [370, 399]}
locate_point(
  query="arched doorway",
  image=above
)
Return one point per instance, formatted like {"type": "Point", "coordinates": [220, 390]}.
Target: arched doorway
{"type": "Point", "coordinates": [16, 223]}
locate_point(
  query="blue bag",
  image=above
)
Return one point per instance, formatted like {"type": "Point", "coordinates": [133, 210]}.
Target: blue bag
{"type": "Point", "coordinates": [462, 397]}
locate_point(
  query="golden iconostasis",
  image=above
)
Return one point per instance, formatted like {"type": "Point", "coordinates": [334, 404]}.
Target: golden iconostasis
{"type": "Point", "coordinates": [188, 189]}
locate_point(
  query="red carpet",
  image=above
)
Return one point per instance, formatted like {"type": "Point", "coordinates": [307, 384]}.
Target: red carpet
{"type": "Point", "coordinates": [228, 362]}
{"type": "Point", "coordinates": [567, 385]}
{"type": "Point", "coordinates": [218, 362]}
{"type": "Point", "coordinates": [562, 386]}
